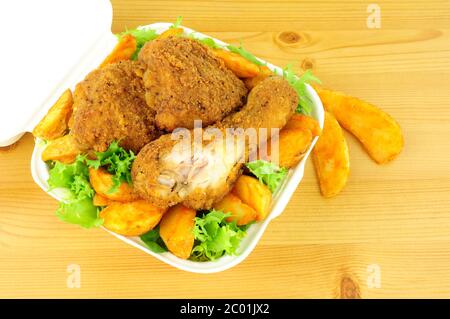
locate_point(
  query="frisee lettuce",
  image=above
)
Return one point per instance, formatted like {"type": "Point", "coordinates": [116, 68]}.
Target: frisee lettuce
{"type": "Point", "coordinates": [244, 53]}
{"type": "Point", "coordinates": [177, 23]}
{"type": "Point", "coordinates": [268, 173]}
{"type": "Point", "coordinates": [239, 50]}
{"type": "Point", "coordinates": [117, 162]}
{"type": "Point", "coordinates": [77, 207]}
{"type": "Point", "coordinates": [142, 36]}
{"type": "Point", "coordinates": [215, 237]}
{"type": "Point", "coordinates": [209, 42]}
{"type": "Point", "coordinates": [305, 104]}
{"type": "Point", "coordinates": [153, 241]}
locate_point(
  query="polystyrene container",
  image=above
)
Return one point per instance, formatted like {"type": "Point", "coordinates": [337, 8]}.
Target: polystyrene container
{"type": "Point", "coordinates": [87, 62]}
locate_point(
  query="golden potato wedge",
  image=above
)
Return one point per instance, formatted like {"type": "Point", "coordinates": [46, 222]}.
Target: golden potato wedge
{"type": "Point", "coordinates": [264, 72]}
{"type": "Point", "coordinates": [293, 141]}
{"type": "Point", "coordinates": [76, 92]}
{"type": "Point", "coordinates": [102, 183]}
{"type": "Point", "coordinates": [63, 149]}
{"type": "Point", "coordinates": [54, 123]}
{"type": "Point", "coordinates": [241, 213]}
{"type": "Point", "coordinates": [70, 122]}
{"type": "Point", "coordinates": [300, 121]}
{"type": "Point", "coordinates": [237, 64]}
{"type": "Point", "coordinates": [377, 131]}
{"type": "Point", "coordinates": [255, 194]}
{"type": "Point", "coordinates": [123, 50]}
{"type": "Point", "coordinates": [172, 32]}
{"type": "Point", "coordinates": [292, 145]}
{"type": "Point", "coordinates": [100, 200]}
{"type": "Point", "coordinates": [131, 218]}
{"type": "Point", "coordinates": [331, 158]}
{"type": "Point", "coordinates": [177, 230]}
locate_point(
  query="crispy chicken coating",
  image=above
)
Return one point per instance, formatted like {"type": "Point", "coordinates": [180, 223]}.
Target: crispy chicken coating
{"type": "Point", "coordinates": [109, 105]}
{"type": "Point", "coordinates": [166, 172]}
{"type": "Point", "coordinates": [186, 82]}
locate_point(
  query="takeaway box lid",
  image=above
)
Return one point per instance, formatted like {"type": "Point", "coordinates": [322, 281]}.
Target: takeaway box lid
{"type": "Point", "coordinates": [47, 46]}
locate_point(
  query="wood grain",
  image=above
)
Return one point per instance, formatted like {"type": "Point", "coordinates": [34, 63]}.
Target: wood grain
{"type": "Point", "coordinates": [395, 217]}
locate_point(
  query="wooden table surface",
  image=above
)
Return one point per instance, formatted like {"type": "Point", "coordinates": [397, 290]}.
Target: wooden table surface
{"type": "Point", "coordinates": [386, 235]}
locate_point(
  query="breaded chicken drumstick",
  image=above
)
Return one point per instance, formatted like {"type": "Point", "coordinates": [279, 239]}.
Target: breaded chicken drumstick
{"type": "Point", "coordinates": [109, 105]}
{"type": "Point", "coordinates": [167, 175]}
{"type": "Point", "coordinates": [185, 81]}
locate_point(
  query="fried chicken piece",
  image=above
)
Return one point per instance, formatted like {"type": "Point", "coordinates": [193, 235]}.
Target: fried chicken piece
{"type": "Point", "coordinates": [185, 81]}
{"type": "Point", "coordinates": [109, 105]}
{"type": "Point", "coordinates": [167, 171]}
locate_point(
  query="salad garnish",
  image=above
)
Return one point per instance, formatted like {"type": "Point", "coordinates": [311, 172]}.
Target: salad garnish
{"type": "Point", "coordinates": [268, 173]}
{"type": "Point", "coordinates": [215, 237]}
{"type": "Point", "coordinates": [117, 161]}
{"type": "Point", "coordinates": [154, 241]}
{"type": "Point", "coordinates": [245, 54]}
{"type": "Point", "coordinates": [77, 207]}
{"type": "Point", "coordinates": [305, 104]}
{"type": "Point", "coordinates": [177, 23]}
{"type": "Point", "coordinates": [142, 36]}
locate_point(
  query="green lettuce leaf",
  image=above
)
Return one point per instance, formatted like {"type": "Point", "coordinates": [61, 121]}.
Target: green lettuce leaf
{"type": "Point", "coordinates": [154, 241]}
{"type": "Point", "coordinates": [177, 23]}
{"type": "Point", "coordinates": [117, 161]}
{"type": "Point", "coordinates": [81, 187]}
{"type": "Point", "coordinates": [268, 173]}
{"type": "Point", "coordinates": [215, 237]}
{"type": "Point", "coordinates": [209, 42]}
{"type": "Point", "coordinates": [239, 50]}
{"type": "Point", "coordinates": [305, 104]}
{"type": "Point", "coordinates": [142, 36]}
{"type": "Point", "coordinates": [77, 207]}
{"type": "Point", "coordinates": [244, 53]}
{"type": "Point", "coordinates": [80, 212]}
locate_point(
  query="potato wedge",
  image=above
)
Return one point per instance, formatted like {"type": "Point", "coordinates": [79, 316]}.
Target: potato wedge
{"type": "Point", "coordinates": [300, 121]}
{"type": "Point", "coordinates": [237, 64]}
{"type": "Point", "coordinates": [293, 141]}
{"type": "Point", "coordinates": [54, 123]}
{"type": "Point", "coordinates": [172, 32]}
{"type": "Point", "coordinates": [63, 149]}
{"type": "Point", "coordinates": [331, 158]}
{"type": "Point", "coordinates": [131, 218]}
{"type": "Point", "coordinates": [254, 194]}
{"type": "Point", "coordinates": [100, 200]}
{"type": "Point", "coordinates": [292, 146]}
{"type": "Point", "coordinates": [241, 213]}
{"type": "Point", "coordinates": [76, 92]}
{"type": "Point", "coordinates": [264, 72]}
{"type": "Point", "coordinates": [70, 122]}
{"type": "Point", "coordinates": [123, 50]}
{"type": "Point", "coordinates": [102, 183]}
{"type": "Point", "coordinates": [377, 131]}
{"type": "Point", "coordinates": [177, 230]}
